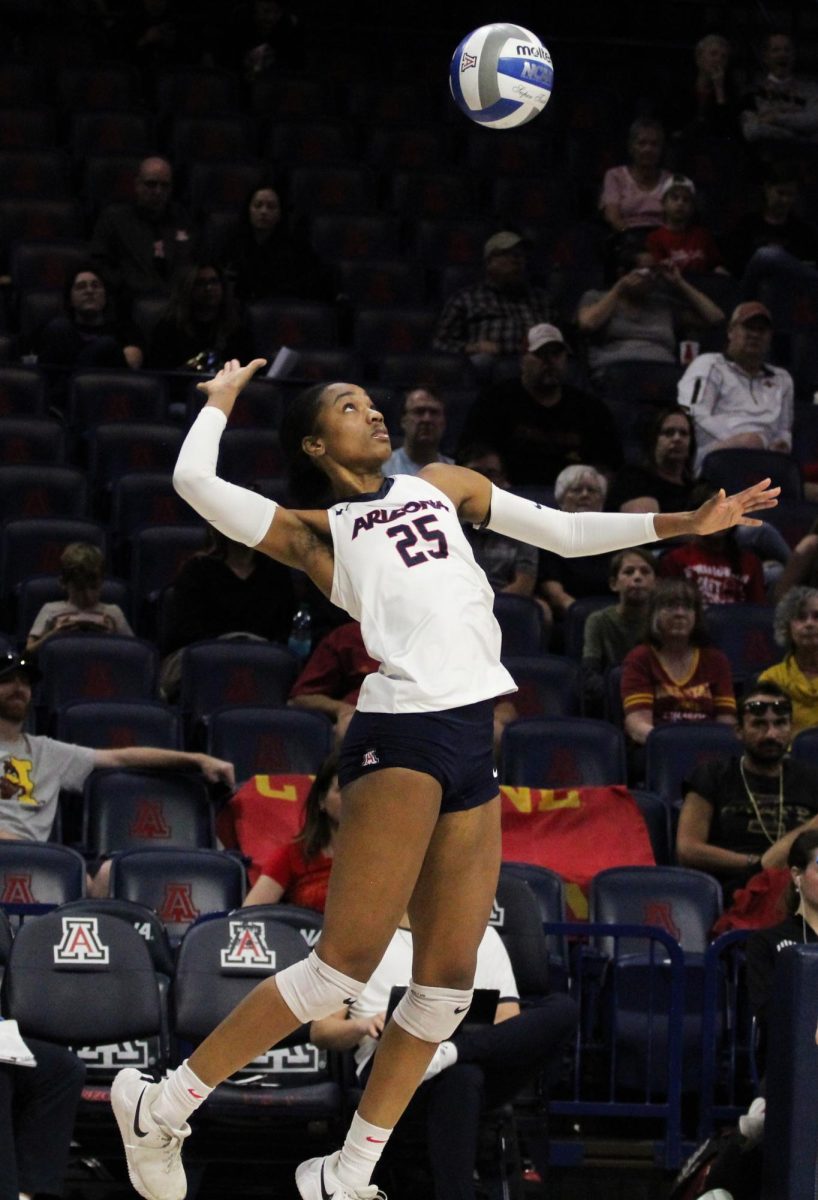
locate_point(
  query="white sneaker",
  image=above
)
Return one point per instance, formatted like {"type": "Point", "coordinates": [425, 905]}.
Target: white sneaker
{"type": "Point", "coordinates": [717, 1194]}
{"type": "Point", "coordinates": [153, 1150]}
{"type": "Point", "coordinates": [316, 1180]}
{"type": "Point", "coordinates": [751, 1124]}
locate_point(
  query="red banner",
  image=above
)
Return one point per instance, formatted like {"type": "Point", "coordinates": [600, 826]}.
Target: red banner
{"type": "Point", "coordinates": [576, 832]}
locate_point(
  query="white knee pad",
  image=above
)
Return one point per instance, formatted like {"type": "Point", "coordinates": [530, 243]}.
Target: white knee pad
{"type": "Point", "coordinates": [431, 1013]}
{"type": "Point", "coordinates": [312, 989]}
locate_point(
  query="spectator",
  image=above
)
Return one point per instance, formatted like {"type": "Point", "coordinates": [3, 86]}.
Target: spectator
{"type": "Point", "coordinates": [723, 572]}
{"type": "Point", "coordinates": [611, 633]}
{"type": "Point", "coordinates": [639, 318]}
{"type": "Point", "coordinates": [773, 242]}
{"type": "Point", "coordinates": [264, 38]}
{"type": "Point", "coordinates": [539, 423]}
{"type": "Point", "coordinates": [35, 769]}
{"type": "Point", "coordinates": [799, 927]}
{"type": "Point", "coordinates": [680, 241]}
{"type": "Point", "coordinates": [631, 194]}
{"type": "Point", "coordinates": [663, 481]}
{"type": "Point", "coordinates": [488, 320]}
{"type": "Point", "coordinates": [333, 674]}
{"type": "Point", "coordinates": [479, 1068]}
{"type": "Point", "coordinates": [228, 590]}
{"type": "Point", "coordinates": [796, 631]}
{"type": "Point", "coordinates": [510, 566]}
{"type": "Point", "coordinates": [38, 1105]}
{"type": "Point", "coordinates": [267, 256]}
{"type": "Point", "coordinates": [736, 399]}
{"type": "Point", "coordinates": [200, 329]}
{"type": "Point", "coordinates": [675, 676]}
{"type": "Point", "coordinates": [298, 873]}
{"type": "Point", "coordinates": [81, 572]}
{"type": "Point", "coordinates": [742, 814]}
{"type": "Point", "coordinates": [563, 580]}
{"type": "Point", "coordinates": [781, 105]}
{"type": "Point", "coordinates": [802, 568]}
{"type": "Point", "coordinates": [138, 246]}
{"type": "Point", "coordinates": [423, 423]}
{"type": "Point", "coordinates": [88, 335]}
{"type": "Point", "coordinates": [710, 107]}
{"type": "Point", "coordinates": [151, 34]}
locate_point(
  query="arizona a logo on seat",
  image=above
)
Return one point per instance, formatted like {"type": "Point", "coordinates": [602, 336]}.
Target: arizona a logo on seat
{"type": "Point", "coordinates": [177, 904]}
{"type": "Point", "coordinates": [17, 889]}
{"type": "Point", "coordinates": [149, 821]}
{"type": "Point", "coordinates": [248, 947]}
{"type": "Point", "coordinates": [80, 942]}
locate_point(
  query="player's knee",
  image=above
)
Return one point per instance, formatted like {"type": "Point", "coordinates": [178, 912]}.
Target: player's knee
{"type": "Point", "coordinates": [432, 1013]}
{"type": "Point", "coordinates": [312, 989]}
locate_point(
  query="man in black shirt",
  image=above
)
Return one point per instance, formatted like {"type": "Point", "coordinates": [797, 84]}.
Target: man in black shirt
{"type": "Point", "coordinates": [741, 815]}
{"type": "Point", "coordinates": [538, 423]}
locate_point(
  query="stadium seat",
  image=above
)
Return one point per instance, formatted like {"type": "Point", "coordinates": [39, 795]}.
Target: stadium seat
{"type": "Point", "coordinates": [35, 310]}
{"type": "Point", "coordinates": [291, 323]}
{"type": "Point", "coordinates": [395, 149]}
{"type": "Point", "coordinates": [452, 243]}
{"type": "Point", "coordinates": [179, 885]}
{"type": "Point", "coordinates": [86, 980]}
{"type": "Point", "coordinates": [22, 391]}
{"type": "Point", "coordinates": [91, 667]}
{"type": "Point", "coordinates": [211, 138]}
{"type": "Point", "coordinates": [26, 441]}
{"type": "Point", "coordinates": [355, 238]}
{"type": "Point", "coordinates": [517, 915]}
{"type": "Point", "coordinates": [735, 470]}
{"type": "Point", "coordinates": [129, 133]}
{"type": "Point", "coordinates": [575, 619]}
{"type": "Point", "coordinates": [309, 144]}
{"type": "Point", "coordinates": [6, 938]}
{"type": "Point", "coordinates": [673, 751]}
{"type": "Point", "coordinates": [39, 873]}
{"type": "Point", "coordinates": [35, 220]}
{"type": "Point", "coordinates": [109, 179]}
{"type": "Point", "coordinates": [744, 632]}
{"type": "Point", "coordinates": [156, 556]}
{"type": "Point", "coordinates": [382, 282]}
{"type": "Point", "coordinates": [110, 397]}
{"type": "Point", "coordinates": [197, 91]}
{"type": "Point", "coordinates": [21, 82]}
{"type": "Point", "coordinates": [144, 920]}
{"type": "Point", "coordinates": [101, 87]}
{"type": "Point", "coordinates": [219, 962]}
{"type": "Point", "coordinates": [33, 175]}
{"type": "Point", "coordinates": [41, 491]}
{"type": "Point", "coordinates": [421, 195]}
{"type": "Point", "coordinates": [306, 921]}
{"type": "Point", "coordinates": [221, 674]}
{"type": "Point", "coordinates": [522, 625]}
{"type": "Point", "coordinates": [248, 454]}
{"type": "Point", "coordinates": [548, 685]}
{"type": "Point", "coordinates": [147, 501]}
{"type": "Point", "coordinates": [642, 383]}
{"type": "Point", "coordinates": [683, 902]}
{"type": "Point", "coordinates": [216, 187]}
{"type": "Point", "coordinates": [125, 448]}
{"type": "Point", "coordinates": [33, 546]}
{"type": "Point", "coordinates": [42, 266]}
{"type": "Point", "coordinates": [805, 746]}
{"type": "Point", "coordinates": [562, 752]}
{"type": "Point", "coordinates": [323, 366]}
{"type": "Point", "coordinates": [143, 810]}
{"type": "Point", "coordinates": [327, 190]}
{"type": "Point", "coordinates": [658, 818]}
{"type": "Point", "coordinates": [264, 741]}
{"type": "Point", "coordinates": [109, 724]}
{"type": "Point", "coordinates": [792, 520]}
{"type": "Point", "coordinates": [517, 153]}
{"type": "Point", "coordinates": [380, 332]}
{"type": "Point", "coordinates": [426, 368]}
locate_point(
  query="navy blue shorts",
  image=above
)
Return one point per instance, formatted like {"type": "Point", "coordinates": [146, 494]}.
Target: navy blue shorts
{"type": "Point", "coordinates": [454, 746]}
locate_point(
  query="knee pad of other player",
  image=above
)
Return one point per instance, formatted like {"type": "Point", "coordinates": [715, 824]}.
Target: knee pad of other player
{"type": "Point", "coordinates": [431, 1013]}
{"type": "Point", "coordinates": [312, 989]}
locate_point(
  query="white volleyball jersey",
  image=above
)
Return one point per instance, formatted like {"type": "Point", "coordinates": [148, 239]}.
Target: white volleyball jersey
{"type": "Point", "coordinates": [404, 569]}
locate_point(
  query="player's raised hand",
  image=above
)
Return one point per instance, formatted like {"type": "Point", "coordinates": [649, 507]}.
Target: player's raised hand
{"type": "Point", "coordinates": [723, 512]}
{"type": "Point", "coordinates": [224, 387]}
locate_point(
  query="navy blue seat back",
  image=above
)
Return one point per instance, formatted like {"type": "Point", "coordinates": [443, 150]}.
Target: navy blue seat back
{"type": "Point", "coordinates": [144, 920]}
{"type": "Point", "coordinates": [179, 885]}
{"type": "Point", "coordinates": [685, 903]}
{"type": "Point", "coordinates": [221, 674]}
{"type": "Point", "coordinates": [129, 810]}
{"type": "Point", "coordinates": [735, 470]}
{"type": "Point", "coordinates": [673, 751]}
{"type": "Point", "coordinates": [744, 632]}
{"type": "Point", "coordinates": [109, 724]}
{"type": "Point", "coordinates": [548, 685]}
{"type": "Point", "coordinates": [521, 621]}
{"type": "Point", "coordinates": [80, 667]}
{"type": "Point", "coordinates": [39, 873]}
{"type": "Point", "coordinates": [562, 752]}
{"type": "Point", "coordinates": [269, 741]}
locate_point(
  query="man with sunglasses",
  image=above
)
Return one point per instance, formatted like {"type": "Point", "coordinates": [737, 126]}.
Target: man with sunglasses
{"type": "Point", "coordinates": [538, 422]}
{"type": "Point", "coordinates": [742, 814]}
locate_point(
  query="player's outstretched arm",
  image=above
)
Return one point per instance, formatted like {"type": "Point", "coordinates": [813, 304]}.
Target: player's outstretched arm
{"type": "Point", "coordinates": [243, 515]}
{"type": "Point", "coordinates": [576, 534]}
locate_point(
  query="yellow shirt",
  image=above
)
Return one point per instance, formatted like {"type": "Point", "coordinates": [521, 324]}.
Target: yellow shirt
{"type": "Point", "coordinates": [802, 690]}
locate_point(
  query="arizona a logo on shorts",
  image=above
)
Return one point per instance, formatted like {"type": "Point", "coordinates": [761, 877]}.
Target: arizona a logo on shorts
{"type": "Point", "coordinates": [370, 759]}
{"type": "Point", "coordinates": [80, 942]}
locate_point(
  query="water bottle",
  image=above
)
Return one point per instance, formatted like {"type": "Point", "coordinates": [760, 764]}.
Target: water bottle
{"type": "Point", "coordinates": [301, 633]}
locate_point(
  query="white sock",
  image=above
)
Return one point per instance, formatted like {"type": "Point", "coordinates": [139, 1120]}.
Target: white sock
{"type": "Point", "coordinates": [445, 1056]}
{"type": "Point", "coordinates": [181, 1094]}
{"type": "Point", "coordinates": [360, 1153]}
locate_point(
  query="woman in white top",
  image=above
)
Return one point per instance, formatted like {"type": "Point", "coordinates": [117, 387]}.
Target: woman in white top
{"type": "Point", "coordinates": [420, 826]}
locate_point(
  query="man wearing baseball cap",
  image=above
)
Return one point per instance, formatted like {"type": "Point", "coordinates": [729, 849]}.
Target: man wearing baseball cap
{"type": "Point", "coordinates": [537, 422]}
{"type": "Point", "coordinates": [489, 319]}
{"type": "Point", "coordinates": [680, 240]}
{"type": "Point", "coordinates": [34, 769]}
{"type": "Point", "coordinates": [737, 399]}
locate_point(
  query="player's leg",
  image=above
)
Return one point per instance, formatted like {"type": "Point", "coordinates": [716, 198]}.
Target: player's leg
{"type": "Point", "coordinates": [449, 910]}
{"type": "Point", "coordinates": [388, 819]}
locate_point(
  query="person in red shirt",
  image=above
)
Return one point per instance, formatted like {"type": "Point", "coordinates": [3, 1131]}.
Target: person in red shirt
{"type": "Point", "coordinates": [298, 872]}
{"type": "Point", "coordinates": [679, 241]}
{"type": "Point", "coordinates": [332, 676]}
{"type": "Point", "coordinates": [674, 676]}
{"type": "Point", "coordinates": [723, 572]}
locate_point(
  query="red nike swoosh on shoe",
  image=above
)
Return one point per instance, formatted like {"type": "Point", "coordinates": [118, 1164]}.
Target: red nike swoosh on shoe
{"type": "Point", "coordinates": [377, 1141]}
{"type": "Point", "coordinates": [195, 1095]}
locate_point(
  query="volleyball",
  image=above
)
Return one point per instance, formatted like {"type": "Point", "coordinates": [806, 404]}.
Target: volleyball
{"type": "Point", "coordinates": [501, 76]}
